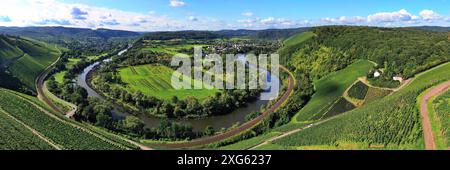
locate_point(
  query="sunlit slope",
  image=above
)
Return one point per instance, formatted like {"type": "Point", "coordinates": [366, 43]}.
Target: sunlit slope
{"type": "Point", "coordinates": [23, 59]}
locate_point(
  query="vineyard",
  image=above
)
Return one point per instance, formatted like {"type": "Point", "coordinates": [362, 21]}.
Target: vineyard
{"type": "Point", "coordinates": [358, 90]}
{"type": "Point", "coordinates": [15, 136]}
{"type": "Point", "coordinates": [375, 93]}
{"type": "Point", "coordinates": [36, 57]}
{"type": "Point", "coordinates": [155, 80]}
{"type": "Point", "coordinates": [62, 133]}
{"type": "Point", "coordinates": [392, 123]}
{"type": "Point", "coordinates": [330, 89]}
{"type": "Point", "coordinates": [440, 112]}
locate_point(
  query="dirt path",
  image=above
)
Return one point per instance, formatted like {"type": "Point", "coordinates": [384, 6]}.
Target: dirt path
{"type": "Point", "coordinates": [293, 131]}
{"type": "Point", "coordinates": [51, 96]}
{"type": "Point", "coordinates": [424, 114]}
{"type": "Point", "coordinates": [39, 135]}
{"type": "Point", "coordinates": [243, 127]}
{"type": "Point", "coordinates": [403, 84]}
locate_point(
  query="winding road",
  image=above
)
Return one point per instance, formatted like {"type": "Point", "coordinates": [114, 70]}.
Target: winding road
{"type": "Point", "coordinates": [429, 140]}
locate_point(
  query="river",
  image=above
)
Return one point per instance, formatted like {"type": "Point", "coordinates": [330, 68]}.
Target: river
{"type": "Point", "coordinates": [217, 122]}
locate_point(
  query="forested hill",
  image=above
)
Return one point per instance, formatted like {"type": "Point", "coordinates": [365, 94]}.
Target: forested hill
{"type": "Point", "coordinates": [268, 34]}
{"type": "Point", "coordinates": [403, 51]}
{"type": "Point", "coordinates": [21, 60]}
{"type": "Point", "coordinates": [434, 28]}
{"type": "Point", "coordinates": [64, 35]}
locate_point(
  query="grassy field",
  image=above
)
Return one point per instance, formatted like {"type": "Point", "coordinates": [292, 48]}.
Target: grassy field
{"type": "Point", "coordinates": [60, 132]}
{"type": "Point", "coordinates": [172, 49]}
{"type": "Point", "coordinates": [155, 80]}
{"type": "Point", "coordinates": [439, 108]}
{"type": "Point", "coordinates": [298, 38]}
{"type": "Point", "coordinates": [330, 89]}
{"type": "Point", "coordinates": [391, 123]}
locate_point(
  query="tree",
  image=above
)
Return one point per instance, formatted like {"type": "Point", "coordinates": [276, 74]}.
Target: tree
{"type": "Point", "coordinates": [104, 120]}
{"type": "Point", "coordinates": [209, 131]}
{"type": "Point", "coordinates": [133, 124]}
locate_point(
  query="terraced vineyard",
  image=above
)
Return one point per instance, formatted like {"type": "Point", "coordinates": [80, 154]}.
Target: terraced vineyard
{"type": "Point", "coordinates": [358, 90]}
{"type": "Point", "coordinates": [36, 56]}
{"type": "Point", "coordinates": [15, 136]}
{"type": "Point", "coordinates": [375, 93]}
{"type": "Point", "coordinates": [391, 123]}
{"type": "Point", "coordinates": [155, 80]}
{"type": "Point", "coordinates": [62, 133]}
{"type": "Point", "coordinates": [330, 89]}
{"type": "Point", "coordinates": [440, 119]}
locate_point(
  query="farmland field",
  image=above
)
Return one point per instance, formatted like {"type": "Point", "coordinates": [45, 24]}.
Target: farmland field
{"type": "Point", "coordinates": [358, 90]}
{"type": "Point", "coordinates": [330, 88]}
{"type": "Point", "coordinates": [155, 80]}
{"type": "Point", "coordinates": [63, 134]}
{"type": "Point", "coordinates": [298, 38]}
{"type": "Point", "coordinates": [246, 144]}
{"type": "Point", "coordinates": [375, 93]}
{"type": "Point", "coordinates": [15, 136]}
{"type": "Point", "coordinates": [37, 56]}
{"type": "Point", "coordinates": [392, 123]}
{"type": "Point", "coordinates": [439, 108]}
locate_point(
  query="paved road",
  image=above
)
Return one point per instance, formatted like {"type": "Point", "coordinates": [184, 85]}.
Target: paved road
{"type": "Point", "coordinates": [243, 127]}
{"type": "Point", "coordinates": [424, 114]}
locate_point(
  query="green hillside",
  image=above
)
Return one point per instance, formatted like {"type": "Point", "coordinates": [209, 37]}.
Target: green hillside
{"type": "Point", "coordinates": [298, 38]}
{"type": "Point", "coordinates": [61, 133]}
{"type": "Point", "coordinates": [330, 88]}
{"type": "Point", "coordinates": [22, 60]}
{"type": "Point", "coordinates": [392, 123]}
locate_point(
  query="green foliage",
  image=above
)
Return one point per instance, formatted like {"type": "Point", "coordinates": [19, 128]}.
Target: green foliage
{"type": "Point", "coordinates": [246, 144]}
{"type": "Point", "coordinates": [441, 108]}
{"type": "Point", "coordinates": [375, 93]}
{"type": "Point", "coordinates": [393, 122]}
{"type": "Point", "coordinates": [298, 38]}
{"type": "Point", "coordinates": [61, 133]}
{"type": "Point", "coordinates": [358, 90]}
{"type": "Point", "coordinates": [24, 59]}
{"type": "Point", "coordinates": [15, 136]}
{"type": "Point", "coordinates": [155, 80]}
{"type": "Point", "coordinates": [341, 106]}
{"type": "Point", "coordinates": [330, 88]}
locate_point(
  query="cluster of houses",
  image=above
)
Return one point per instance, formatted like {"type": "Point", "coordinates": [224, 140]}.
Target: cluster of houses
{"type": "Point", "coordinates": [398, 77]}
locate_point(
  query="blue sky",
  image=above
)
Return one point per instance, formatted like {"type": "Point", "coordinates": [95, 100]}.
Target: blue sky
{"type": "Point", "coordinates": [155, 15]}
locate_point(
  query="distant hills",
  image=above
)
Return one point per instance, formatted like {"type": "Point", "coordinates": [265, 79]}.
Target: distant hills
{"type": "Point", "coordinates": [434, 28]}
{"type": "Point", "coordinates": [54, 34]}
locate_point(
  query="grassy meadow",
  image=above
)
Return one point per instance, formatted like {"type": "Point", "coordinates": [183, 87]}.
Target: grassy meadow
{"type": "Point", "coordinates": [155, 80]}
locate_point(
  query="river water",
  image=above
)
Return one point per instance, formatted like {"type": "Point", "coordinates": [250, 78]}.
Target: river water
{"type": "Point", "coordinates": [217, 122]}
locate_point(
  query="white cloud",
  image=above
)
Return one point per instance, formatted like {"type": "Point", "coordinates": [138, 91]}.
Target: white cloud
{"type": "Point", "coordinates": [384, 17]}
{"type": "Point", "coordinates": [56, 13]}
{"type": "Point", "coordinates": [429, 15]}
{"type": "Point", "coordinates": [192, 18]}
{"type": "Point", "coordinates": [247, 14]}
{"type": "Point", "coordinates": [269, 20]}
{"type": "Point", "coordinates": [176, 3]}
